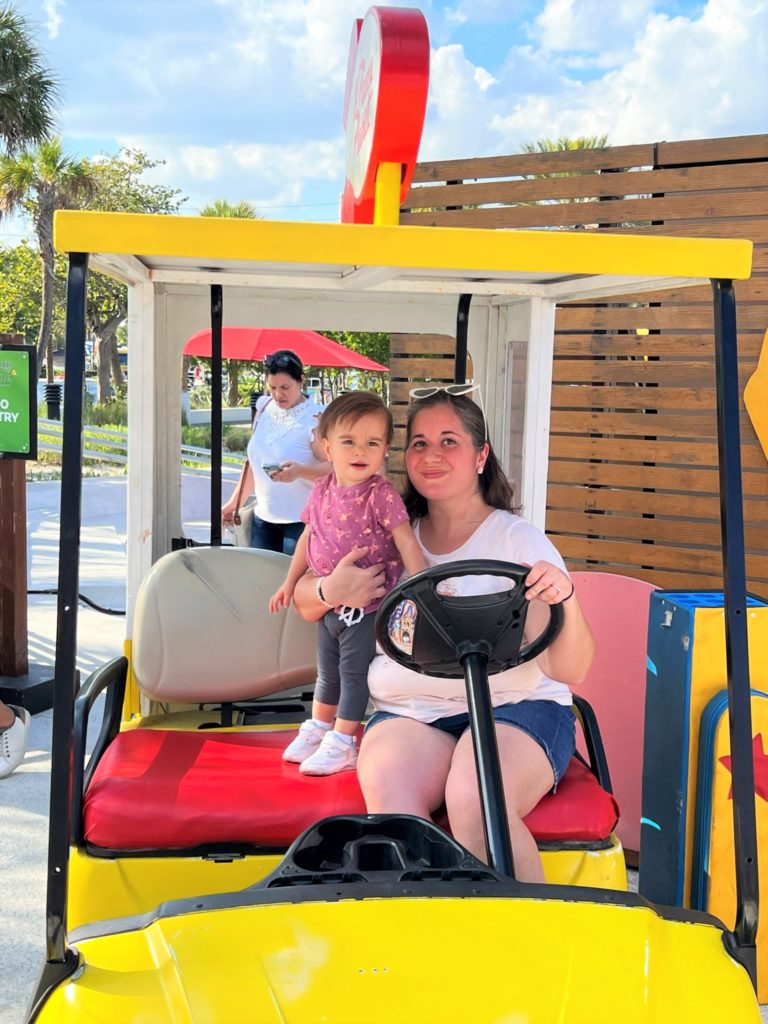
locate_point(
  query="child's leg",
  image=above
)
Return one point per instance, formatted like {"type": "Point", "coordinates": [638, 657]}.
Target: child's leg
{"type": "Point", "coordinates": [328, 685]}
{"type": "Point", "coordinates": [325, 713]}
{"type": "Point", "coordinates": [357, 646]}
{"type": "Point", "coordinates": [338, 750]}
{"type": "Point", "coordinates": [312, 732]}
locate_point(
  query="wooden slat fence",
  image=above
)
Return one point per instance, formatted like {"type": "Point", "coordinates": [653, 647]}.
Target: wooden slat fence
{"type": "Point", "coordinates": [633, 482]}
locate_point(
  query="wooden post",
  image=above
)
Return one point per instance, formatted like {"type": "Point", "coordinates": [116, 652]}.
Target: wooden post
{"type": "Point", "coordinates": [14, 651]}
{"type": "Point", "coordinates": [30, 686]}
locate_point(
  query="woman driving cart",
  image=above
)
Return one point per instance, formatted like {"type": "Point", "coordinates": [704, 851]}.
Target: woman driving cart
{"type": "Point", "coordinates": [417, 751]}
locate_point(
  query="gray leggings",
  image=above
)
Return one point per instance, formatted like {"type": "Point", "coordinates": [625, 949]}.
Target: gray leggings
{"type": "Point", "coordinates": [343, 656]}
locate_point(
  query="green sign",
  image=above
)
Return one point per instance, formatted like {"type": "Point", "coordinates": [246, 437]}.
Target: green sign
{"type": "Point", "coordinates": [18, 402]}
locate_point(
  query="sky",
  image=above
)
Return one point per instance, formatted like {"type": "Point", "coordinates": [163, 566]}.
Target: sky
{"type": "Point", "coordinates": [243, 99]}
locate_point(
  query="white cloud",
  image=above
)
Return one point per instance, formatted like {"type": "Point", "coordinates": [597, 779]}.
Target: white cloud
{"type": "Point", "coordinates": [466, 99]}
{"type": "Point", "coordinates": [687, 78]}
{"type": "Point", "coordinates": [590, 25]}
{"type": "Point", "coordinates": [318, 159]}
{"type": "Point", "coordinates": [483, 79]}
{"type": "Point", "coordinates": [313, 35]}
{"type": "Point", "coordinates": [455, 82]}
{"type": "Point", "coordinates": [269, 175]}
{"type": "Point", "coordinates": [54, 17]}
{"type": "Point", "coordinates": [202, 163]}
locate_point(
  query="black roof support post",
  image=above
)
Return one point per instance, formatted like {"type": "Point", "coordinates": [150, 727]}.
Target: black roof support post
{"type": "Point", "coordinates": [217, 309]}
{"type": "Point", "coordinates": [462, 327]}
{"type": "Point", "coordinates": [735, 599]}
{"type": "Point", "coordinates": [65, 679]}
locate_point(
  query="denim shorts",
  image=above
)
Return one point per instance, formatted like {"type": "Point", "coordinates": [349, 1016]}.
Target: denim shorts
{"type": "Point", "coordinates": [551, 725]}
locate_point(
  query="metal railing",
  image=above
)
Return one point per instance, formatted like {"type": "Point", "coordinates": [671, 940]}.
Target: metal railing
{"type": "Point", "coordinates": [103, 445]}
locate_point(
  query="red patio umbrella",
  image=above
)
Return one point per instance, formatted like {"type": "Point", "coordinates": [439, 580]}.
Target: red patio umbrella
{"type": "Point", "coordinates": [258, 342]}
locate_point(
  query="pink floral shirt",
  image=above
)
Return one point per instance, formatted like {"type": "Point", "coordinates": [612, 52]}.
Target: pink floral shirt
{"type": "Point", "coordinates": [341, 518]}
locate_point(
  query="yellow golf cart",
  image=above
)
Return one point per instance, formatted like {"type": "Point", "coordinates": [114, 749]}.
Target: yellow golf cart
{"type": "Point", "coordinates": [195, 877]}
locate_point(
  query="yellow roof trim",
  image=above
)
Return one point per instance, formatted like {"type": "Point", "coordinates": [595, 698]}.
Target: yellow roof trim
{"type": "Point", "coordinates": [545, 252]}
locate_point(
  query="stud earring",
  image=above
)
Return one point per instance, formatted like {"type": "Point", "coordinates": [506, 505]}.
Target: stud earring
{"type": "Point", "coordinates": [480, 470]}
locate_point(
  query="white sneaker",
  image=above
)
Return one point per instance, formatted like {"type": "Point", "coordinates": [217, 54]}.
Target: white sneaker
{"type": "Point", "coordinates": [13, 742]}
{"type": "Point", "coordinates": [333, 755]}
{"type": "Point", "coordinates": [309, 739]}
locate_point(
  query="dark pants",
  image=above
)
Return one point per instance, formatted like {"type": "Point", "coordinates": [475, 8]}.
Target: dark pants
{"type": "Point", "coordinates": [343, 656]}
{"type": "Point", "coordinates": [275, 536]}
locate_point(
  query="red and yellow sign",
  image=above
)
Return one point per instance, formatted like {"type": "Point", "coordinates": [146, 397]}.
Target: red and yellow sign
{"type": "Point", "coordinates": [385, 102]}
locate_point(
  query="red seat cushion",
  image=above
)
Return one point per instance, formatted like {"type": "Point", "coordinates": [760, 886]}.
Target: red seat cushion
{"type": "Point", "coordinates": [155, 790]}
{"type": "Point", "coordinates": [580, 810]}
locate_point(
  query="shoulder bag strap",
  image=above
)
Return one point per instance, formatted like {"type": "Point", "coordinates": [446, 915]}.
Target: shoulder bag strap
{"type": "Point", "coordinates": [241, 485]}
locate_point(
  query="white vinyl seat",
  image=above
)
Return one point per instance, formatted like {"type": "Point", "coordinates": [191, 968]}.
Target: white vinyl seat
{"type": "Point", "coordinates": [203, 632]}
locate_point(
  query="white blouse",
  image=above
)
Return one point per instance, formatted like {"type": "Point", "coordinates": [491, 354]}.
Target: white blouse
{"type": "Point", "coordinates": [281, 435]}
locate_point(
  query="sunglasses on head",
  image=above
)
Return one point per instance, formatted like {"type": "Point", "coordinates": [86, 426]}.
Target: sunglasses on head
{"type": "Point", "coordinates": [451, 389]}
{"type": "Point", "coordinates": [282, 361]}
{"type": "Point", "coordinates": [455, 390]}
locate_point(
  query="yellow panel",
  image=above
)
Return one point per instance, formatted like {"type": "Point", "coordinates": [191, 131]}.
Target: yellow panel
{"type": "Point", "coordinates": [132, 699]}
{"type": "Point", "coordinates": [525, 961]}
{"type": "Point", "coordinates": [708, 677]}
{"type": "Point", "coordinates": [346, 245]}
{"type": "Point", "coordinates": [721, 875]}
{"type": "Point", "coordinates": [101, 888]}
{"type": "Point", "coordinates": [756, 397]}
{"type": "Point", "coordinates": [598, 869]}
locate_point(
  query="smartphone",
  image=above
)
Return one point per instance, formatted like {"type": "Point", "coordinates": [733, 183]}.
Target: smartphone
{"type": "Point", "coordinates": [271, 467]}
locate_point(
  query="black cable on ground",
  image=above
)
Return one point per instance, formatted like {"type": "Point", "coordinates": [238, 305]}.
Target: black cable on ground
{"type": "Point", "coordinates": [85, 600]}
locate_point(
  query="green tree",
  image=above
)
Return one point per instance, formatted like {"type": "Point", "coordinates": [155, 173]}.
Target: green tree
{"type": "Point", "coordinates": [39, 182]}
{"type": "Point", "coordinates": [28, 92]}
{"type": "Point", "coordinates": [241, 211]}
{"type": "Point", "coordinates": [374, 345]}
{"type": "Point", "coordinates": [20, 293]}
{"type": "Point", "coordinates": [120, 188]}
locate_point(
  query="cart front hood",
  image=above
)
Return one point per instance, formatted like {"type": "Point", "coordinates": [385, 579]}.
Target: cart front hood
{"type": "Point", "coordinates": [381, 960]}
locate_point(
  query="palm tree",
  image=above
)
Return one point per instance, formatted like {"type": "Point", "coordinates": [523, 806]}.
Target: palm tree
{"type": "Point", "coordinates": [563, 144]}
{"type": "Point", "coordinates": [223, 208]}
{"type": "Point", "coordinates": [39, 182]}
{"type": "Point", "coordinates": [28, 92]}
{"type": "Point", "coordinates": [242, 211]}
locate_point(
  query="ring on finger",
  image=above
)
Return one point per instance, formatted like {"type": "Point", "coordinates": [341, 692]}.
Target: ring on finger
{"type": "Point", "coordinates": [555, 588]}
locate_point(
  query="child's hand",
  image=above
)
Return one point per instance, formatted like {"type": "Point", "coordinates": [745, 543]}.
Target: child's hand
{"type": "Point", "coordinates": [281, 599]}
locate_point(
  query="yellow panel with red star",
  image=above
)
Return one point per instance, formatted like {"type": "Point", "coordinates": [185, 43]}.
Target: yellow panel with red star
{"type": "Point", "coordinates": [713, 880]}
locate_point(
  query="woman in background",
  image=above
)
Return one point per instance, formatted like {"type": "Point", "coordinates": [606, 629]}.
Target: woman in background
{"type": "Point", "coordinates": [284, 457]}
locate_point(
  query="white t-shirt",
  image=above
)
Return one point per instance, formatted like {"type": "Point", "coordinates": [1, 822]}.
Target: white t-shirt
{"type": "Point", "coordinates": [501, 536]}
{"type": "Point", "coordinates": [280, 435]}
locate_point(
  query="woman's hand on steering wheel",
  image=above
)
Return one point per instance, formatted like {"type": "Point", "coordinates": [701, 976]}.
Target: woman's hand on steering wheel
{"type": "Point", "coordinates": [548, 584]}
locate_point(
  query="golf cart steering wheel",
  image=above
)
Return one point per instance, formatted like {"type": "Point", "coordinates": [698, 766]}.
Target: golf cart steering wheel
{"type": "Point", "coordinates": [435, 635]}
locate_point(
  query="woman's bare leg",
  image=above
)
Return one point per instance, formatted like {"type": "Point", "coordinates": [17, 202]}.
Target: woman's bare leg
{"type": "Point", "coordinates": [527, 776]}
{"type": "Point", "coordinates": [403, 766]}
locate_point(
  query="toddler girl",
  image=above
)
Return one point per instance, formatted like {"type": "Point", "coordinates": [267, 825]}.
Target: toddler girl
{"type": "Point", "coordinates": [353, 506]}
